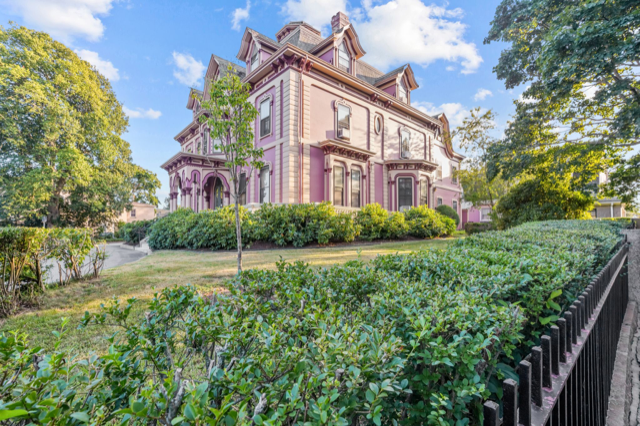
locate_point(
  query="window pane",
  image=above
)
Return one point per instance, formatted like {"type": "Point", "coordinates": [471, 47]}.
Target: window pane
{"type": "Point", "coordinates": [344, 58]}
{"type": "Point", "coordinates": [254, 61]}
{"type": "Point", "coordinates": [406, 137]}
{"type": "Point", "coordinates": [355, 188]}
{"type": "Point", "coordinates": [265, 118]}
{"type": "Point", "coordinates": [455, 205]}
{"type": "Point", "coordinates": [405, 193]}
{"type": "Point", "coordinates": [454, 178]}
{"type": "Point", "coordinates": [343, 117]}
{"type": "Point", "coordinates": [439, 201]}
{"type": "Point", "coordinates": [338, 186]}
{"type": "Point", "coordinates": [264, 185]}
{"type": "Point", "coordinates": [424, 191]}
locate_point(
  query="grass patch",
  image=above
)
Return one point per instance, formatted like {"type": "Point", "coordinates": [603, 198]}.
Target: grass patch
{"type": "Point", "coordinates": [141, 279]}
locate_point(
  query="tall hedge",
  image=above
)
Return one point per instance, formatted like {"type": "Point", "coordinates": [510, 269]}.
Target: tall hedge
{"type": "Point", "coordinates": [414, 339]}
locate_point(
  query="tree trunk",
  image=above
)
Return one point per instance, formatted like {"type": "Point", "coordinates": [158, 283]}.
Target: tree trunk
{"type": "Point", "coordinates": [238, 235]}
{"type": "Point", "coordinates": [53, 211]}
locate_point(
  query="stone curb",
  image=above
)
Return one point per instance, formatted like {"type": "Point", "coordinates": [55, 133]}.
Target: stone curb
{"type": "Point", "coordinates": [621, 382]}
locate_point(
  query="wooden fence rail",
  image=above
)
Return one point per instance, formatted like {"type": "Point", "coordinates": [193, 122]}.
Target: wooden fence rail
{"type": "Point", "coordinates": [567, 379]}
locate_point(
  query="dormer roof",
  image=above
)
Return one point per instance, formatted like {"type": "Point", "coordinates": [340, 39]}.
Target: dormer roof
{"type": "Point", "coordinates": [247, 39]}
{"type": "Point", "coordinates": [219, 67]}
{"type": "Point", "coordinates": [348, 31]}
{"type": "Point", "coordinates": [192, 100]}
{"type": "Point", "coordinates": [402, 70]}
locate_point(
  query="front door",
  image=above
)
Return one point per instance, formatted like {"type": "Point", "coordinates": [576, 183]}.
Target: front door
{"type": "Point", "coordinates": [217, 194]}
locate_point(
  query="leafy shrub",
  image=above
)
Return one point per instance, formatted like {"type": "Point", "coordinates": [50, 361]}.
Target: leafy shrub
{"type": "Point", "coordinates": [371, 220]}
{"type": "Point", "coordinates": [417, 339]}
{"type": "Point", "coordinates": [395, 226]}
{"type": "Point", "coordinates": [134, 232]}
{"type": "Point", "coordinates": [424, 222]}
{"type": "Point", "coordinates": [23, 252]}
{"type": "Point", "coordinates": [449, 212]}
{"type": "Point", "coordinates": [477, 227]}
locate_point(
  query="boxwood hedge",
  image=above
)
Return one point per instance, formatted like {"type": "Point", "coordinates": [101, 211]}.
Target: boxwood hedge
{"type": "Point", "coordinates": [406, 339]}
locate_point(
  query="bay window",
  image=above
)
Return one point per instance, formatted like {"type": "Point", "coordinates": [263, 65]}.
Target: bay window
{"type": "Point", "coordinates": [338, 186]}
{"type": "Point", "coordinates": [355, 188]}
{"type": "Point", "coordinates": [405, 193]}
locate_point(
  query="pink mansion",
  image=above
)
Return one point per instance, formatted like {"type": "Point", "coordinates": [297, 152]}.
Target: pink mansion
{"type": "Point", "coordinates": [333, 128]}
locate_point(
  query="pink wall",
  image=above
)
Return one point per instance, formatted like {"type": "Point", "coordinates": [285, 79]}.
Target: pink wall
{"type": "Point", "coordinates": [392, 141]}
{"type": "Point", "coordinates": [391, 90]}
{"type": "Point", "coordinates": [328, 56]}
{"type": "Point", "coordinates": [379, 183]}
{"type": "Point", "coordinates": [272, 137]}
{"type": "Point", "coordinates": [323, 118]}
{"type": "Point", "coordinates": [316, 175]}
{"type": "Point", "coordinates": [473, 215]}
{"type": "Point", "coordinates": [264, 55]}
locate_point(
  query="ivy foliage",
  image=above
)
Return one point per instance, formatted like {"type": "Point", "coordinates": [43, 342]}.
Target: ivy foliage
{"type": "Point", "coordinates": [406, 339]}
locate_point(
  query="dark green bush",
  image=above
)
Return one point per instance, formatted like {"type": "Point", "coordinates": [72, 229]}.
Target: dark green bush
{"type": "Point", "coordinates": [477, 227]}
{"type": "Point", "coordinates": [424, 222]}
{"type": "Point", "coordinates": [449, 212]}
{"type": "Point", "coordinates": [417, 339]}
{"type": "Point", "coordinates": [134, 232]}
{"type": "Point", "coordinates": [371, 220]}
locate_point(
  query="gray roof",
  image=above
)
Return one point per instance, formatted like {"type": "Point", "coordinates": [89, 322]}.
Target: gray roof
{"type": "Point", "coordinates": [391, 73]}
{"type": "Point", "coordinates": [264, 37]}
{"type": "Point", "coordinates": [224, 65]}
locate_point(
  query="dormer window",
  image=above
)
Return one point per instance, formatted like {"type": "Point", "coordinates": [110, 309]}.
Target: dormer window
{"type": "Point", "coordinates": [344, 58]}
{"type": "Point", "coordinates": [255, 61]}
{"type": "Point", "coordinates": [402, 92]}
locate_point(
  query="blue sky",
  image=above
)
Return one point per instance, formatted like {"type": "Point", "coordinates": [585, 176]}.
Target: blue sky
{"type": "Point", "coordinates": [153, 50]}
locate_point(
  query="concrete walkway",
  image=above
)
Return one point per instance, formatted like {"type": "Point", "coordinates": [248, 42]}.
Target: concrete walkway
{"type": "Point", "coordinates": [117, 254]}
{"type": "Point", "coordinates": [633, 236]}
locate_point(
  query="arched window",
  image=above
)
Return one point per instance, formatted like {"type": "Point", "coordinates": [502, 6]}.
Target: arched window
{"type": "Point", "coordinates": [344, 58]}
{"type": "Point", "coordinates": [405, 144]}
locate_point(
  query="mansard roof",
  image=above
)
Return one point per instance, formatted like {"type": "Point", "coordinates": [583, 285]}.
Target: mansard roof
{"type": "Point", "coordinates": [247, 39]}
{"type": "Point", "coordinates": [292, 26]}
{"type": "Point", "coordinates": [219, 67]}
{"type": "Point", "coordinates": [302, 36]}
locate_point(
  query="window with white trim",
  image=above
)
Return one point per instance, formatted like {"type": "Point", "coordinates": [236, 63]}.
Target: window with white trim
{"type": "Point", "coordinates": [255, 60]}
{"type": "Point", "coordinates": [338, 186]}
{"type": "Point", "coordinates": [405, 193]}
{"type": "Point", "coordinates": [454, 204]}
{"type": "Point", "coordinates": [205, 145]}
{"type": "Point", "coordinates": [378, 124]}
{"type": "Point", "coordinates": [344, 58]}
{"type": "Point", "coordinates": [424, 193]}
{"type": "Point", "coordinates": [485, 214]}
{"type": "Point", "coordinates": [242, 189]}
{"type": "Point", "coordinates": [402, 92]}
{"type": "Point", "coordinates": [265, 118]}
{"type": "Point", "coordinates": [405, 136]}
{"type": "Point", "coordinates": [439, 203]}
{"type": "Point", "coordinates": [133, 213]}
{"type": "Point", "coordinates": [454, 177]}
{"type": "Point", "coordinates": [265, 185]}
{"type": "Point", "coordinates": [355, 188]}
{"type": "Point", "coordinates": [344, 122]}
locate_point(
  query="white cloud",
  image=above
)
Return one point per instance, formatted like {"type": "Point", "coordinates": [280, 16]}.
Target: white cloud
{"type": "Point", "coordinates": [410, 31]}
{"type": "Point", "coordinates": [240, 15]}
{"type": "Point", "coordinates": [398, 31]}
{"type": "Point", "coordinates": [189, 70]}
{"type": "Point", "coordinates": [482, 94]}
{"type": "Point", "coordinates": [317, 13]}
{"type": "Point", "coordinates": [141, 113]}
{"type": "Point", "coordinates": [64, 19]}
{"type": "Point", "coordinates": [105, 67]}
{"type": "Point", "coordinates": [454, 111]}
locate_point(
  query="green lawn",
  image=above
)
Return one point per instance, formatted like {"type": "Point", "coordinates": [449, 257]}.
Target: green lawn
{"type": "Point", "coordinates": [141, 279]}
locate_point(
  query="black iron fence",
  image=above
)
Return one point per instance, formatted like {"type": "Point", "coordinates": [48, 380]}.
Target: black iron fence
{"type": "Point", "coordinates": [567, 379]}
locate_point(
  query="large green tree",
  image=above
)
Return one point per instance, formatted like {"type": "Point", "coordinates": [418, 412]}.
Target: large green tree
{"type": "Point", "coordinates": [580, 112]}
{"type": "Point", "coordinates": [474, 135]}
{"type": "Point", "coordinates": [230, 118]}
{"type": "Point", "coordinates": [61, 148]}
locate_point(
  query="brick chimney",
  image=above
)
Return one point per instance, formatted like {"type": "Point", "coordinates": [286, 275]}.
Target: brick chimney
{"type": "Point", "coordinates": [339, 21]}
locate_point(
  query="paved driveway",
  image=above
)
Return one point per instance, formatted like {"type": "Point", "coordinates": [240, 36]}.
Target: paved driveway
{"type": "Point", "coordinates": [118, 254]}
